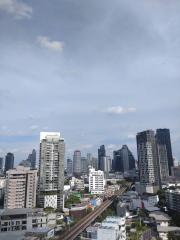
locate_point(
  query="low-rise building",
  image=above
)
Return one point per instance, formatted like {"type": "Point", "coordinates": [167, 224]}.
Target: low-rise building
{"type": "Point", "coordinates": [173, 199]}
{"type": "Point", "coordinates": [112, 228]}
{"type": "Point", "coordinates": [161, 218]}
{"type": "Point", "coordinates": [25, 219]}
{"type": "Point", "coordinates": [163, 231]}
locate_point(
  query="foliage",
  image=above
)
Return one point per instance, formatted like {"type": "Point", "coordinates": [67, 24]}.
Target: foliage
{"type": "Point", "coordinates": [162, 199]}
{"type": "Point", "coordinates": [49, 210]}
{"type": "Point", "coordinates": [72, 199]}
{"type": "Point", "coordinates": [172, 236]}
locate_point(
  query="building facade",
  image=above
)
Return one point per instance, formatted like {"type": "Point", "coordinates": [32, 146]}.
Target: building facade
{"type": "Point", "coordinates": [69, 167]}
{"type": "Point", "coordinates": [9, 162]}
{"type": "Point", "coordinates": [163, 137]}
{"type": "Point", "coordinates": [147, 158]}
{"type": "Point", "coordinates": [25, 219]}
{"type": "Point", "coordinates": [101, 157]}
{"type": "Point", "coordinates": [77, 163]}
{"type": "Point", "coordinates": [123, 160]}
{"type": "Point", "coordinates": [51, 170]}
{"type": "Point", "coordinates": [96, 181]}
{"type": "Point", "coordinates": [173, 200]}
{"type": "Point", "coordinates": [20, 189]}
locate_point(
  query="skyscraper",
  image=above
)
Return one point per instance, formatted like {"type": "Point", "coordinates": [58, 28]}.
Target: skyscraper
{"type": "Point", "coordinates": [69, 167]}
{"type": "Point", "coordinates": [163, 160]}
{"type": "Point", "coordinates": [20, 190]}
{"type": "Point", "coordinates": [32, 159]}
{"type": "Point", "coordinates": [51, 170]}
{"type": "Point", "coordinates": [147, 158]}
{"type": "Point", "coordinates": [163, 138]}
{"type": "Point", "coordinates": [101, 156]}
{"type": "Point", "coordinates": [1, 165]}
{"type": "Point", "coordinates": [9, 162]}
{"type": "Point", "coordinates": [77, 163]}
{"type": "Point", "coordinates": [84, 165]}
{"type": "Point", "coordinates": [123, 159]}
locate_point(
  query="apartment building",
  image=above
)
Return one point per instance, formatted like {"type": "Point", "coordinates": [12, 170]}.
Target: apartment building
{"type": "Point", "coordinates": [20, 189]}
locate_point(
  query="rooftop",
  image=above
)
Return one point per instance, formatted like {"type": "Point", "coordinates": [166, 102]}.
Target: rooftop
{"type": "Point", "coordinates": [160, 216]}
{"type": "Point", "coordinates": [168, 229]}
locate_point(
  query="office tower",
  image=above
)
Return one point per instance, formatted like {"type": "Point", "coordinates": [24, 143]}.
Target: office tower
{"type": "Point", "coordinates": [20, 189]}
{"type": "Point", "coordinates": [77, 163]}
{"type": "Point", "coordinates": [109, 163]}
{"type": "Point", "coordinates": [69, 167]}
{"type": "Point", "coordinates": [89, 159]}
{"type": "Point", "coordinates": [51, 170]}
{"type": "Point", "coordinates": [163, 137]}
{"type": "Point", "coordinates": [95, 163]}
{"type": "Point", "coordinates": [123, 160]}
{"type": "Point", "coordinates": [84, 165]}
{"type": "Point", "coordinates": [9, 162]}
{"type": "Point", "coordinates": [163, 162]}
{"type": "Point", "coordinates": [147, 158]}
{"type": "Point", "coordinates": [32, 159]}
{"type": "Point", "coordinates": [1, 165]}
{"type": "Point", "coordinates": [101, 155]}
{"type": "Point", "coordinates": [96, 181]}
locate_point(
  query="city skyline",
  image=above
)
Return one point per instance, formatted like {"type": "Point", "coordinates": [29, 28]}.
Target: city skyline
{"type": "Point", "coordinates": [98, 72]}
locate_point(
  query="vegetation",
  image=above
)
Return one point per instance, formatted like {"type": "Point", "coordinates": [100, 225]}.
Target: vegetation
{"type": "Point", "coordinates": [162, 200]}
{"type": "Point", "coordinates": [49, 210]}
{"type": "Point", "coordinates": [172, 236]}
{"type": "Point", "coordinates": [110, 211]}
{"type": "Point", "coordinates": [72, 199]}
{"type": "Point", "coordinates": [139, 227]}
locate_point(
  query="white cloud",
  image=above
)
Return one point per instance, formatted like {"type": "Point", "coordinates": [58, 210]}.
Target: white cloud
{"type": "Point", "coordinates": [52, 45]}
{"type": "Point", "coordinates": [17, 8]}
{"type": "Point", "coordinates": [118, 110]}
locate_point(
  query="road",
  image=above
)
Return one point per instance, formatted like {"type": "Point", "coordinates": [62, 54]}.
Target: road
{"type": "Point", "coordinates": [81, 225]}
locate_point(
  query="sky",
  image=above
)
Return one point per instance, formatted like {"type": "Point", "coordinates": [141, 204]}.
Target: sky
{"type": "Point", "coordinates": [96, 71]}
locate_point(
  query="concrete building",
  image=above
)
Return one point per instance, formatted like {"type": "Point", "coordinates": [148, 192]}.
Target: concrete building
{"type": "Point", "coordinates": [9, 162]}
{"type": "Point", "coordinates": [173, 200]}
{"type": "Point", "coordinates": [2, 188]}
{"type": "Point", "coordinates": [148, 159]}
{"type": "Point", "coordinates": [77, 163]}
{"type": "Point", "coordinates": [69, 167]}
{"type": "Point", "coordinates": [25, 219]}
{"type": "Point", "coordinates": [96, 181]}
{"type": "Point", "coordinates": [20, 189]}
{"type": "Point", "coordinates": [51, 170]}
{"type": "Point", "coordinates": [112, 228]}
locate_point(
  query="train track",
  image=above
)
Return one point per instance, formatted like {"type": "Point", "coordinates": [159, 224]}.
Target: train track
{"type": "Point", "coordinates": [81, 225]}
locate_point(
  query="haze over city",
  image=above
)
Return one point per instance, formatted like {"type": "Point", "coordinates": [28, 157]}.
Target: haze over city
{"type": "Point", "coordinates": [97, 71]}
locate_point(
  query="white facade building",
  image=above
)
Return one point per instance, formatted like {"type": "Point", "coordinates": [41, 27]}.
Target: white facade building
{"type": "Point", "coordinates": [112, 228]}
{"type": "Point", "coordinates": [20, 190]}
{"type": "Point", "coordinates": [96, 181]}
{"type": "Point", "coordinates": [51, 170]}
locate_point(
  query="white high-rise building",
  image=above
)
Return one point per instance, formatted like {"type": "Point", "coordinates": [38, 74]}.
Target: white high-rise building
{"type": "Point", "coordinates": [20, 189]}
{"type": "Point", "coordinates": [51, 170]}
{"type": "Point", "coordinates": [96, 181]}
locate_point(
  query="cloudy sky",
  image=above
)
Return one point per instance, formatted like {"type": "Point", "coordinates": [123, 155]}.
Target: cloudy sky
{"type": "Point", "coordinates": [97, 71]}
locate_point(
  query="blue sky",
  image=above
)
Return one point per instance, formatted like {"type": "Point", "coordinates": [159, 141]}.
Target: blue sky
{"type": "Point", "coordinates": [97, 71]}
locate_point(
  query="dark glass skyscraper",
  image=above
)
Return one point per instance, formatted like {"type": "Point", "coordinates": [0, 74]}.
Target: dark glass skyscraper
{"type": "Point", "coordinates": [163, 138]}
{"type": "Point", "coordinates": [123, 159]}
{"type": "Point", "coordinates": [9, 162]}
{"type": "Point", "coordinates": [101, 156]}
{"type": "Point", "coordinates": [32, 159]}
